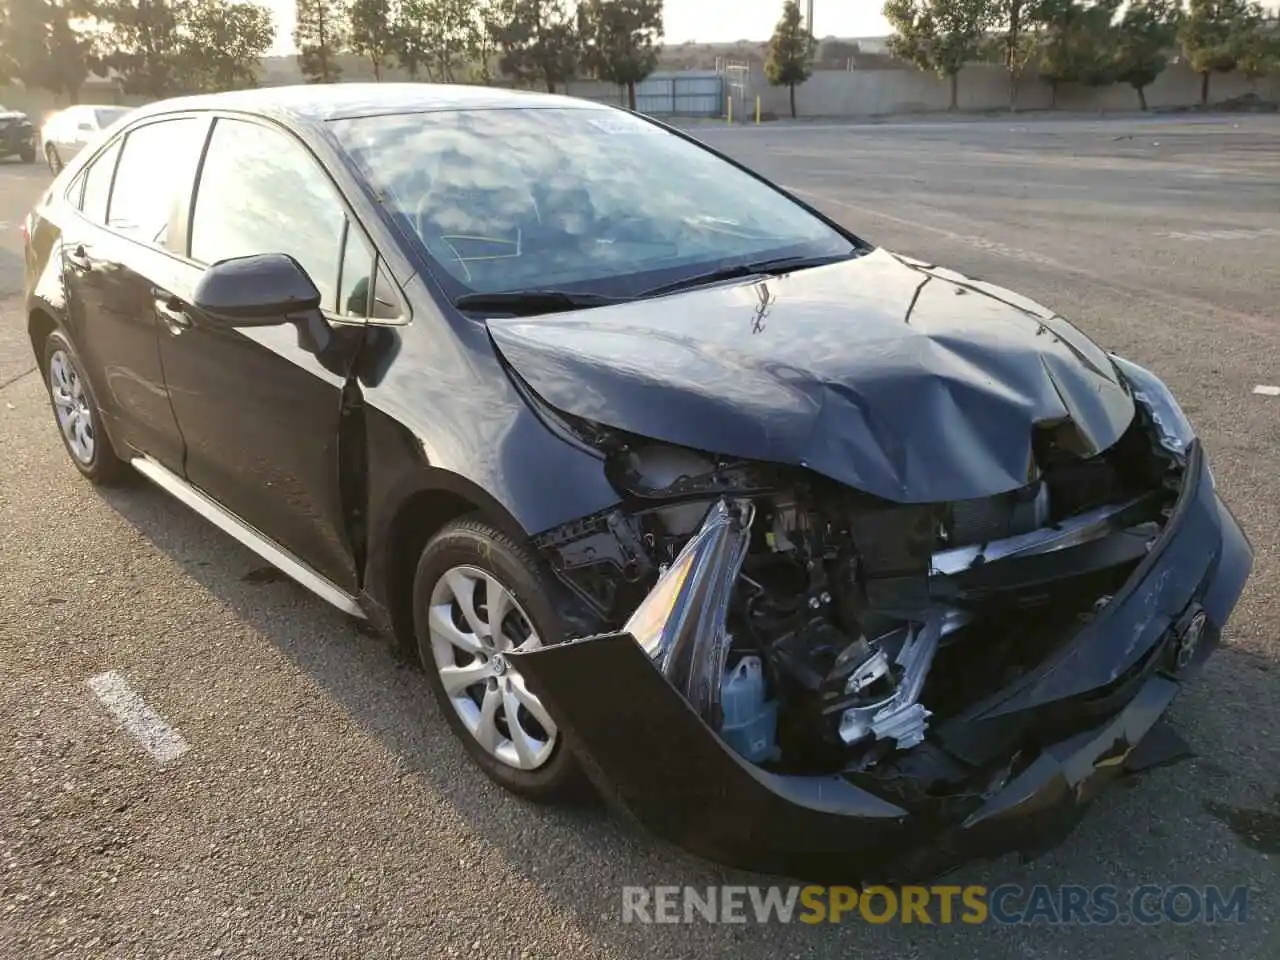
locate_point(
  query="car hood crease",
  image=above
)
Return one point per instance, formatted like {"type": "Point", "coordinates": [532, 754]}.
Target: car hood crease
{"type": "Point", "coordinates": [908, 382]}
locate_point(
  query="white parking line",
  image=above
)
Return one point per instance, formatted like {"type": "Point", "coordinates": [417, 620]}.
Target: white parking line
{"type": "Point", "coordinates": [1205, 236]}
{"type": "Point", "coordinates": [1266, 390]}
{"type": "Point", "coordinates": [139, 721]}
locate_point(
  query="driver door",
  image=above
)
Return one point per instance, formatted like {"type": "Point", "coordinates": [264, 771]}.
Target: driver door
{"type": "Point", "coordinates": [259, 407]}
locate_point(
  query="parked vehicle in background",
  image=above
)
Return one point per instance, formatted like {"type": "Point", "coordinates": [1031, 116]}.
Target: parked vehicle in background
{"type": "Point", "coordinates": [17, 135]}
{"type": "Point", "coordinates": [69, 131]}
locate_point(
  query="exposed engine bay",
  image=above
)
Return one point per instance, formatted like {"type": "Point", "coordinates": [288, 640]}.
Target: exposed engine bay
{"type": "Point", "coordinates": [849, 625]}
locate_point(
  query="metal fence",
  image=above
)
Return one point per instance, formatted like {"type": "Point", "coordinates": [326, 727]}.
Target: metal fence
{"type": "Point", "coordinates": [692, 93]}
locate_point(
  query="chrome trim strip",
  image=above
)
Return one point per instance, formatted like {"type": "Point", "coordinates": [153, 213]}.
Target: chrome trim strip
{"type": "Point", "coordinates": [1071, 532]}
{"type": "Point", "coordinates": [229, 523]}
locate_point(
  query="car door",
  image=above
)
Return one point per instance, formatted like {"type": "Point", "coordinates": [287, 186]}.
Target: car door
{"type": "Point", "coordinates": [259, 407]}
{"type": "Point", "coordinates": [115, 251]}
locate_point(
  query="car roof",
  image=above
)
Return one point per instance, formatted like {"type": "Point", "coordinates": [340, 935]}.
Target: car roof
{"type": "Point", "coordinates": [332, 101]}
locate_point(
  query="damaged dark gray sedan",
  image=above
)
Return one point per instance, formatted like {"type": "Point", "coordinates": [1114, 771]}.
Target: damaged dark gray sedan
{"type": "Point", "coordinates": [817, 559]}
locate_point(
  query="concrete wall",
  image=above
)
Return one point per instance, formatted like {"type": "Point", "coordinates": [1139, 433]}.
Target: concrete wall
{"type": "Point", "coordinates": [833, 93]}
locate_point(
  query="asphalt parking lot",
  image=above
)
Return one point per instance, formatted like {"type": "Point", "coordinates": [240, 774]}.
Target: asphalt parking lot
{"type": "Point", "coordinates": [322, 809]}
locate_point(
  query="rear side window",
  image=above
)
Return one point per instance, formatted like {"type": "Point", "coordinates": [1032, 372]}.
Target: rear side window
{"type": "Point", "coordinates": [260, 191]}
{"type": "Point", "coordinates": [97, 184]}
{"type": "Point", "coordinates": [158, 163]}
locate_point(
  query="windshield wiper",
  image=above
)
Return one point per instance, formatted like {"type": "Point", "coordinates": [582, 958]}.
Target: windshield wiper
{"type": "Point", "coordinates": [524, 303]}
{"type": "Point", "coordinates": [756, 268]}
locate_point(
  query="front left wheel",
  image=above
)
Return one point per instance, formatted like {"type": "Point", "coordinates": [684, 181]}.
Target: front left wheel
{"type": "Point", "coordinates": [478, 596]}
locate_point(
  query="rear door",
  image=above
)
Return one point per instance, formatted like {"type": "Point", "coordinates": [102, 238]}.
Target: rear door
{"type": "Point", "coordinates": [115, 255]}
{"type": "Point", "coordinates": [260, 407]}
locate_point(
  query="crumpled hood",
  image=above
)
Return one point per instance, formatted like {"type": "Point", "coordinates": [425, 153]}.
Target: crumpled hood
{"type": "Point", "coordinates": [903, 380]}
{"type": "Point", "coordinates": [13, 115]}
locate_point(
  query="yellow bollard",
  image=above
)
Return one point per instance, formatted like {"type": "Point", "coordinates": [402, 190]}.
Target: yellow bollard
{"type": "Point", "coordinates": [757, 110]}
{"type": "Point", "coordinates": [729, 112]}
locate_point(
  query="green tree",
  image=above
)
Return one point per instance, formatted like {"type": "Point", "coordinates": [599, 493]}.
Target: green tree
{"type": "Point", "coordinates": [1215, 34]}
{"type": "Point", "coordinates": [1018, 42]}
{"type": "Point", "coordinates": [372, 32]}
{"type": "Point", "coordinates": [1146, 31]}
{"type": "Point", "coordinates": [1058, 23]}
{"type": "Point", "coordinates": [620, 40]}
{"type": "Point", "coordinates": [410, 23]}
{"type": "Point", "coordinates": [1096, 44]}
{"type": "Point", "coordinates": [222, 43]}
{"type": "Point", "coordinates": [791, 51]}
{"type": "Point", "coordinates": [1260, 55]}
{"type": "Point", "coordinates": [141, 41]}
{"type": "Point", "coordinates": [939, 35]}
{"type": "Point", "coordinates": [1078, 43]}
{"type": "Point", "coordinates": [320, 34]}
{"type": "Point", "coordinates": [454, 38]}
{"type": "Point", "coordinates": [40, 46]}
{"type": "Point", "coordinates": [537, 41]}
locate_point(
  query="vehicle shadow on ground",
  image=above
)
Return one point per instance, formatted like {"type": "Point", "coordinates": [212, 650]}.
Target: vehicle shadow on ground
{"type": "Point", "coordinates": [1156, 828]}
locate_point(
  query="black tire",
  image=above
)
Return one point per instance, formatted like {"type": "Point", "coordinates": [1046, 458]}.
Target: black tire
{"type": "Point", "coordinates": [104, 467]}
{"type": "Point", "coordinates": [469, 542]}
{"type": "Point", "coordinates": [53, 158]}
{"type": "Point", "coordinates": [28, 155]}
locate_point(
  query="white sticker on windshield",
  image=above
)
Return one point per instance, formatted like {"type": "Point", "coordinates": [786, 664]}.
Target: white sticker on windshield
{"type": "Point", "coordinates": [621, 124]}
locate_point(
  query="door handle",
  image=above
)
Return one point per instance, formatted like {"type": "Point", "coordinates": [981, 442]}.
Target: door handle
{"type": "Point", "coordinates": [79, 258]}
{"type": "Point", "coordinates": [172, 311]}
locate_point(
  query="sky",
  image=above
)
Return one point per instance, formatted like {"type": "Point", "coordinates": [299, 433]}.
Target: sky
{"type": "Point", "coordinates": [709, 20]}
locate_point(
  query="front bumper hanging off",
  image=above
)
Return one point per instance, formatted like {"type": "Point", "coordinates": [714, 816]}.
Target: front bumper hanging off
{"type": "Point", "coordinates": [652, 753]}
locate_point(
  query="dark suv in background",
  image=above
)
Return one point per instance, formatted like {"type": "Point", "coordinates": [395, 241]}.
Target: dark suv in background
{"type": "Point", "coordinates": [17, 135]}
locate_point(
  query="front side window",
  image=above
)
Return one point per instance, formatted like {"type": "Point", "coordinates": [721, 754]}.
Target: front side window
{"type": "Point", "coordinates": [158, 162]}
{"type": "Point", "coordinates": [357, 268]}
{"type": "Point", "coordinates": [597, 199]}
{"type": "Point", "coordinates": [97, 184]}
{"type": "Point", "coordinates": [261, 192]}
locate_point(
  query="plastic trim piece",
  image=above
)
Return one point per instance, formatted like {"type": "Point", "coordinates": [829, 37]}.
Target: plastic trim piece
{"type": "Point", "coordinates": [229, 523]}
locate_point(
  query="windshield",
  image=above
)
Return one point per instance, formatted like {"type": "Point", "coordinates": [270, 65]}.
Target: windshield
{"type": "Point", "coordinates": [590, 199]}
{"type": "Point", "coordinates": [108, 116]}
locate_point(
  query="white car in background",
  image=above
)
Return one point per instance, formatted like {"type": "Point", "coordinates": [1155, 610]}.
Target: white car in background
{"type": "Point", "coordinates": [69, 131]}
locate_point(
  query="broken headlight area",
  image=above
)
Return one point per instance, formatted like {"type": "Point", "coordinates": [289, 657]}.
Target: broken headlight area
{"type": "Point", "coordinates": [819, 630]}
{"type": "Point", "coordinates": [1169, 424]}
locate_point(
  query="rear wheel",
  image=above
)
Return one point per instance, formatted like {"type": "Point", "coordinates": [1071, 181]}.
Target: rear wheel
{"type": "Point", "coordinates": [27, 154]}
{"type": "Point", "coordinates": [78, 415]}
{"type": "Point", "coordinates": [477, 597]}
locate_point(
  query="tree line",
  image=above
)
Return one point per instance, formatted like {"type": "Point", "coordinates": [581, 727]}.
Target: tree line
{"type": "Point", "coordinates": [533, 42]}
{"type": "Point", "coordinates": [1096, 43]}
{"type": "Point", "coordinates": [158, 48]}
{"type": "Point", "coordinates": [153, 47]}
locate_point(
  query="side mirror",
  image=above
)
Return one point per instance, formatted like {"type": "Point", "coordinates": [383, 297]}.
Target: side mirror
{"type": "Point", "coordinates": [85, 125]}
{"type": "Point", "coordinates": [257, 291]}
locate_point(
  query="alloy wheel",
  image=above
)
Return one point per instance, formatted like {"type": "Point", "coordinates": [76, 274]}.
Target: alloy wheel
{"type": "Point", "coordinates": [473, 622]}
{"type": "Point", "coordinates": [71, 404]}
